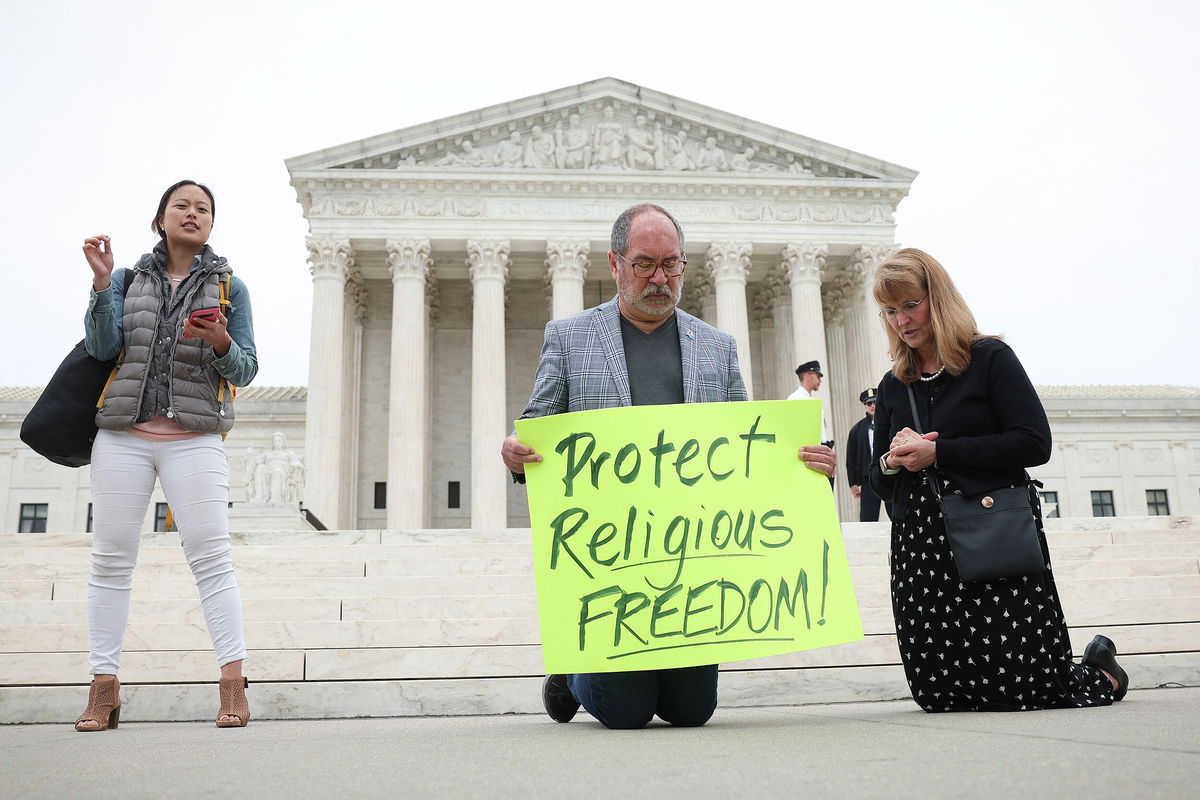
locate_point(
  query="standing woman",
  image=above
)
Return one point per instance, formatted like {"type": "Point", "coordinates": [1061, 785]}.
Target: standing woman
{"type": "Point", "coordinates": [1000, 645]}
{"type": "Point", "coordinates": [163, 415]}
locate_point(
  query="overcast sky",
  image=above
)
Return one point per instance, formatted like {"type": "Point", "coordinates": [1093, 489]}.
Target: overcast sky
{"type": "Point", "coordinates": [1058, 143]}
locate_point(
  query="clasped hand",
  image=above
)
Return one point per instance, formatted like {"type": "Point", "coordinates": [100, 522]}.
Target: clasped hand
{"type": "Point", "coordinates": [912, 451]}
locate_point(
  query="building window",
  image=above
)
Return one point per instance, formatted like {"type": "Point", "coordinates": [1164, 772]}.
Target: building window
{"type": "Point", "coordinates": [160, 517]}
{"type": "Point", "coordinates": [381, 494]}
{"type": "Point", "coordinates": [1102, 504]}
{"type": "Point", "coordinates": [33, 517]}
{"type": "Point", "coordinates": [1156, 503]}
{"type": "Point", "coordinates": [453, 495]}
{"type": "Point", "coordinates": [89, 522]}
{"type": "Point", "coordinates": [1049, 504]}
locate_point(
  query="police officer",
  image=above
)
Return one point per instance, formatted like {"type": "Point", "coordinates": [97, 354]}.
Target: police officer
{"type": "Point", "coordinates": [859, 446]}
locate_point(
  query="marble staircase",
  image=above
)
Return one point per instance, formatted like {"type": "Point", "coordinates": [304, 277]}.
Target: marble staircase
{"type": "Point", "coordinates": [387, 623]}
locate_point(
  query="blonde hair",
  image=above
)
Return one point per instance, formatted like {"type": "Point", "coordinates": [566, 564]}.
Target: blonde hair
{"type": "Point", "coordinates": [907, 275]}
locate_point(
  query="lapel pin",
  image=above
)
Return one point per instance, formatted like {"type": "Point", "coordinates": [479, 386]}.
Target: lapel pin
{"type": "Point", "coordinates": [691, 335]}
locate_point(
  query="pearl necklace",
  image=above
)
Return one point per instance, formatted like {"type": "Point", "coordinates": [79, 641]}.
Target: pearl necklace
{"type": "Point", "coordinates": [935, 375]}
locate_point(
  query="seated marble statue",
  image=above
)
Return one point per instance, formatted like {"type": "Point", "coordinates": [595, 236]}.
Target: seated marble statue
{"type": "Point", "coordinates": [574, 145]}
{"type": "Point", "coordinates": [540, 152]}
{"type": "Point", "coordinates": [274, 477]}
{"type": "Point", "coordinates": [639, 154]}
{"type": "Point", "coordinates": [608, 145]}
{"type": "Point", "coordinates": [711, 159]}
{"type": "Point", "coordinates": [510, 152]}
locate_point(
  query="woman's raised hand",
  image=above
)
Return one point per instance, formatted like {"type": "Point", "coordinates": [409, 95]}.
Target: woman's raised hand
{"type": "Point", "coordinates": [98, 252]}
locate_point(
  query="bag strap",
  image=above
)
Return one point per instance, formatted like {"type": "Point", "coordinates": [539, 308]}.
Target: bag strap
{"type": "Point", "coordinates": [933, 478]}
{"type": "Point", "coordinates": [128, 276]}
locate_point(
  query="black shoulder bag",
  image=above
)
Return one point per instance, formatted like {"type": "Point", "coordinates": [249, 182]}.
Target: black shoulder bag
{"type": "Point", "coordinates": [992, 534]}
{"type": "Point", "coordinates": [61, 426]}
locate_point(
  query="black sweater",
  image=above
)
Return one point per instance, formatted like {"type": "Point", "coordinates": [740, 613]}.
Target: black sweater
{"type": "Point", "coordinates": [990, 422]}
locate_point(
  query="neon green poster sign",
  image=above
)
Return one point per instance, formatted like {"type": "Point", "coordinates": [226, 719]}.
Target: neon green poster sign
{"type": "Point", "coordinates": [674, 536]}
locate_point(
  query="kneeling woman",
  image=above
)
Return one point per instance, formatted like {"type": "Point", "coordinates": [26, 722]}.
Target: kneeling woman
{"type": "Point", "coordinates": [1000, 645]}
{"type": "Point", "coordinates": [162, 417]}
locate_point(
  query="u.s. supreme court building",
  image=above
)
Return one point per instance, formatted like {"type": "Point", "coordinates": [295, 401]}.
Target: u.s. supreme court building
{"type": "Point", "coordinates": [439, 252]}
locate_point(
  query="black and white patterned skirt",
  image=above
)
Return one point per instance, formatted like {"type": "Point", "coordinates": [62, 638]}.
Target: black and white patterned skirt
{"type": "Point", "coordinates": [996, 646]}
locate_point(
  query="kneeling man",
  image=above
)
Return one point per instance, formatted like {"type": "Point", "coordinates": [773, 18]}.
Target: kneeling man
{"type": "Point", "coordinates": [637, 349]}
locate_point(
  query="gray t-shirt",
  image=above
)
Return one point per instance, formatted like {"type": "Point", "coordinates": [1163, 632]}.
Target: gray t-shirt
{"type": "Point", "coordinates": [654, 363]}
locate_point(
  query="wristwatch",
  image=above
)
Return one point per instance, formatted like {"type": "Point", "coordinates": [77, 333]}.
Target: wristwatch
{"type": "Point", "coordinates": [886, 469]}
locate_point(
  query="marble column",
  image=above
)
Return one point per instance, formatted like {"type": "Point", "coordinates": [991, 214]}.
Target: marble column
{"type": "Point", "coordinates": [1073, 499]}
{"type": "Point", "coordinates": [766, 358]}
{"type": "Point", "coordinates": [700, 283]}
{"type": "Point", "coordinates": [729, 264]}
{"type": "Point", "coordinates": [488, 262]}
{"type": "Point", "coordinates": [804, 265]}
{"type": "Point", "coordinates": [329, 259]}
{"type": "Point", "coordinates": [837, 387]}
{"type": "Point", "coordinates": [355, 314]}
{"type": "Point", "coordinates": [408, 414]}
{"type": "Point", "coordinates": [863, 360]}
{"type": "Point", "coordinates": [778, 339]}
{"type": "Point", "coordinates": [8, 510]}
{"type": "Point", "coordinates": [566, 268]}
{"type": "Point", "coordinates": [1182, 501]}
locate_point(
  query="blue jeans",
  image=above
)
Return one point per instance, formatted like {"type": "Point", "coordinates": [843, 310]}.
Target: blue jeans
{"type": "Point", "coordinates": [685, 697]}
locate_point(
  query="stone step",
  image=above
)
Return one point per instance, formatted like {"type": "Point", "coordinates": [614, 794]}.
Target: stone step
{"type": "Point", "coordinates": [286, 610]}
{"type": "Point", "coordinates": [875, 620]}
{"type": "Point", "coordinates": [287, 699]}
{"type": "Point", "coordinates": [154, 666]}
{"type": "Point", "coordinates": [285, 635]}
{"type": "Point", "coordinates": [871, 587]}
{"type": "Point", "coordinates": [344, 588]}
{"type": "Point", "coordinates": [397, 650]}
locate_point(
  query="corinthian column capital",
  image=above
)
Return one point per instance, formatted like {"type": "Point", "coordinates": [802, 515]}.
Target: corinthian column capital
{"type": "Point", "coordinates": [867, 258]}
{"type": "Point", "coordinates": [329, 257]}
{"type": "Point", "coordinates": [567, 258]}
{"type": "Point", "coordinates": [729, 261]}
{"type": "Point", "coordinates": [804, 262]}
{"type": "Point", "coordinates": [488, 258]}
{"type": "Point", "coordinates": [408, 258]}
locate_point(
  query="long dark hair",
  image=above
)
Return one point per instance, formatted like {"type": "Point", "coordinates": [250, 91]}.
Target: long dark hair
{"type": "Point", "coordinates": [155, 225]}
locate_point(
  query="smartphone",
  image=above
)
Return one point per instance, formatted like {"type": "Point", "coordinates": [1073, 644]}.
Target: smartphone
{"type": "Point", "coordinates": [206, 314]}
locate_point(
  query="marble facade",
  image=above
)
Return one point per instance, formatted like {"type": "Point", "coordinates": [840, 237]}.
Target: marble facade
{"type": "Point", "coordinates": [439, 252]}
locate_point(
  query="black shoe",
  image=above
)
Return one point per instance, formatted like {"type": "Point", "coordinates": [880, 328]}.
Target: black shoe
{"type": "Point", "coordinates": [1101, 653]}
{"type": "Point", "coordinates": [560, 704]}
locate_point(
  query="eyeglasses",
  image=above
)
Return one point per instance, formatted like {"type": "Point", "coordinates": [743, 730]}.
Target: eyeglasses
{"type": "Point", "coordinates": [672, 267]}
{"type": "Point", "coordinates": [908, 308]}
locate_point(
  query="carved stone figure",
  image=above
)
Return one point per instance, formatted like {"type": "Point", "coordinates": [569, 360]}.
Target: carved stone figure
{"type": "Point", "coordinates": [741, 161]}
{"type": "Point", "coordinates": [469, 157]}
{"type": "Point", "coordinates": [711, 159]}
{"type": "Point", "coordinates": [677, 157]}
{"type": "Point", "coordinates": [274, 477]}
{"type": "Point", "coordinates": [574, 145]}
{"type": "Point", "coordinates": [608, 142]}
{"type": "Point", "coordinates": [794, 167]}
{"type": "Point", "coordinates": [510, 152]}
{"type": "Point", "coordinates": [640, 152]}
{"type": "Point", "coordinates": [539, 154]}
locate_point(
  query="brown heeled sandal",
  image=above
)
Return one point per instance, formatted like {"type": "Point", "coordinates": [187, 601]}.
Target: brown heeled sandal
{"type": "Point", "coordinates": [233, 703]}
{"type": "Point", "coordinates": [103, 708]}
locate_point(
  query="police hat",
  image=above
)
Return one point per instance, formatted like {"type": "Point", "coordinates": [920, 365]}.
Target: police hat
{"type": "Point", "coordinates": [810, 366]}
{"type": "Point", "coordinates": [867, 396]}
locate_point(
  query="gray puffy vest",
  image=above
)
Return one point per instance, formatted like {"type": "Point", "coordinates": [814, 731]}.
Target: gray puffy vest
{"type": "Point", "coordinates": [162, 372]}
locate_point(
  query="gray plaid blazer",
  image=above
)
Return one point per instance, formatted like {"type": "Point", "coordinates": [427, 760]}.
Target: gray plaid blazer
{"type": "Point", "coordinates": [582, 365]}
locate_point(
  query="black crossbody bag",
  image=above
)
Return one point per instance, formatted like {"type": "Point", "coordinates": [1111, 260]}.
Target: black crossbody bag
{"type": "Point", "coordinates": [61, 426]}
{"type": "Point", "coordinates": [992, 534]}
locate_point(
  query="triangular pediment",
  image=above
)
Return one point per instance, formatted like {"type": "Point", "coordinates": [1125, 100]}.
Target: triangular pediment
{"type": "Point", "coordinates": [605, 125]}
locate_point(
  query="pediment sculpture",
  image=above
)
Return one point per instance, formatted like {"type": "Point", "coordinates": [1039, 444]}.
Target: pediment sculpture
{"type": "Point", "coordinates": [631, 138]}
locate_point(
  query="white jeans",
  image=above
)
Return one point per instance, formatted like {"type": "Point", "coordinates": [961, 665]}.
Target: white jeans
{"type": "Point", "coordinates": [195, 479]}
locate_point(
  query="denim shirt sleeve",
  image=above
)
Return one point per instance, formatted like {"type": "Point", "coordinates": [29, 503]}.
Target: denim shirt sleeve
{"type": "Point", "coordinates": [240, 364]}
{"type": "Point", "coordinates": [102, 334]}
